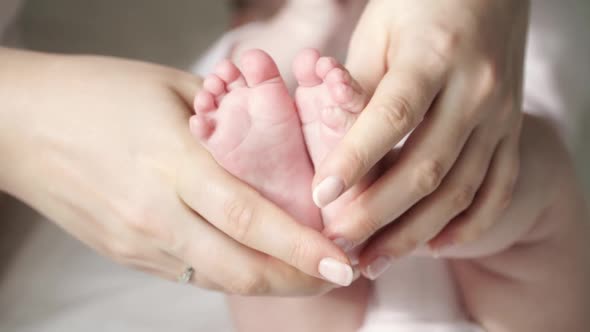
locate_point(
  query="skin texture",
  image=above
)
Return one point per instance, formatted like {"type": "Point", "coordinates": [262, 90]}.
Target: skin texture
{"type": "Point", "coordinates": [89, 159]}
{"type": "Point", "coordinates": [249, 124]}
{"type": "Point", "coordinates": [453, 71]}
{"type": "Point", "coordinates": [541, 281]}
{"type": "Point", "coordinates": [537, 250]}
{"type": "Point", "coordinates": [529, 271]}
{"type": "Point", "coordinates": [248, 121]}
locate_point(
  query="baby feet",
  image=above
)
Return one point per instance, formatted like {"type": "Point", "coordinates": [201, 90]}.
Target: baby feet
{"type": "Point", "coordinates": [248, 122]}
{"type": "Point", "coordinates": [329, 101]}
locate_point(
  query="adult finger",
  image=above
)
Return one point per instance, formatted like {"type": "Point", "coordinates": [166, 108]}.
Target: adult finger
{"type": "Point", "coordinates": [399, 104]}
{"type": "Point", "coordinates": [244, 215]}
{"type": "Point", "coordinates": [368, 65]}
{"type": "Point", "coordinates": [491, 201]}
{"type": "Point", "coordinates": [171, 268]}
{"type": "Point", "coordinates": [428, 217]}
{"type": "Point", "coordinates": [236, 268]}
{"type": "Point", "coordinates": [427, 156]}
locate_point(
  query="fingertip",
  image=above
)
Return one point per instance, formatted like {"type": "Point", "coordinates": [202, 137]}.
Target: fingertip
{"type": "Point", "coordinates": [336, 272]}
{"type": "Point", "coordinates": [328, 191]}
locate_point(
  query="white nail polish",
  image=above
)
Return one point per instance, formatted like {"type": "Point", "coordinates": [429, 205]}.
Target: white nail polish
{"type": "Point", "coordinates": [378, 267]}
{"type": "Point", "coordinates": [336, 272]}
{"type": "Point", "coordinates": [327, 191]}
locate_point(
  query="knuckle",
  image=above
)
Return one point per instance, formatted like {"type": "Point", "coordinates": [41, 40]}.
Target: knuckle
{"type": "Point", "coordinates": [367, 221]}
{"type": "Point", "coordinates": [404, 244]}
{"type": "Point", "coordinates": [140, 219]}
{"type": "Point", "coordinates": [123, 252]}
{"type": "Point", "coordinates": [472, 232]}
{"type": "Point", "coordinates": [398, 115]}
{"type": "Point", "coordinates": [410, 242]}
{"type": "Point", "coordinates": [239, 216]}
{"type": "Point", "coordinates": [428, 177]}
{"type": "Point", "coordinates": [358, 158]}
{"type": "Point", "coordinates": [506, 195]}
{"type": "Point", "coordinates": [510, 108]}
{"type": "Point", "coordinates": [489, 78]}
{"type": "Point", "coordinates": [445, 42]}
{"type": "Point", "coordinates": [463, 197]}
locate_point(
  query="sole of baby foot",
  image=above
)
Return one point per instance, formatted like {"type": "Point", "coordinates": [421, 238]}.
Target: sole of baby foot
{"type": "Point", "coordinates": [247, 120]}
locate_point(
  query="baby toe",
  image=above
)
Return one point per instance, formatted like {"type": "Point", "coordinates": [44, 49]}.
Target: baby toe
{"type": "Point", "coordinates": [215, 85]}
{"type": "Point", "coordinates": [342, 93]}
{"type": "Point", "coordinates": [326, 65]}
{"type": "Point", "coordinates": [338, 75]}
{"type": "Point", "coordinates": [201, 127]}
{"type": "Point", "coordinates": [229, 73]}
{"type": "Point", "coordinates": [259, 67]}
{"type": "Point", "coordinates": [204, 102]}
{"type": "Point", "coordinates": [304, 68]}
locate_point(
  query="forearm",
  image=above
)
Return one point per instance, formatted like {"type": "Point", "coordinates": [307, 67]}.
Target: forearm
{"type": "Point", "coordinates": [541, 282]}
{"type": "Point", "coordinates": [21, 73]}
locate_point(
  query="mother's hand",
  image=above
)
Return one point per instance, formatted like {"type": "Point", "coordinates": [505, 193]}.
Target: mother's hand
{"type": "Point", "coordinates": [102, 147]}
{"type": "Point", "coordinates": [451, 70]}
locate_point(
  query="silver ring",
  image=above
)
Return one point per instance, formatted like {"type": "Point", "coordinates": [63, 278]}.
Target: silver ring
{"type": "Point", "coordinates": [186, 275]}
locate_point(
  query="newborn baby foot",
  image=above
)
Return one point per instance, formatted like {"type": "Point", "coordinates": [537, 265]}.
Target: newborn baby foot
{"type": "Point", "coordinates": [329, 101]}
{"type": "Point", "coordinates": [248, 122]}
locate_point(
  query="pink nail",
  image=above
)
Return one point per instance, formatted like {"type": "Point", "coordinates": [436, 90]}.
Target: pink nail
{"type": "Point", "coordinates": [378, 267]}
{"type": "Point", "coordinates": [327, 191]}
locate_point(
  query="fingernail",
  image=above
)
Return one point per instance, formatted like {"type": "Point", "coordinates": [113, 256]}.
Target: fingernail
{"type": "Point", "coordinates": [376, 269]}
{"type": "Point", "coordinates": [434, 251]}
{"type": "Point", "coordinates": [354, 255]}
{"type": "Point", "coordinates": [343, 244]}
{"type": "Point", "coordinates": [336, 272]}
{"type": "Point", "coordinates": [356, 273]}
{"type": "Point", "coordinates": [327, 191]}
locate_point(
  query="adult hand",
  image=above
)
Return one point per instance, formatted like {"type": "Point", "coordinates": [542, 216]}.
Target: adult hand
{"type": "Point", "coordinates": [449, 73]}
{"type": "Point", "coordinates": [102, 147]}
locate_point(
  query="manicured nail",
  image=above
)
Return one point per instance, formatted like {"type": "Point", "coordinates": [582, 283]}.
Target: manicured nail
{"type": "Point", "coordinates": [327, 191]}
{"type": "Point", "coordinates": [356, 273]}
{"type": "Point", "coordinates": [376, 269]}
{"type": "Point", "coordinates": [336, 272]}
{"type": "Point", "coordinates": [354, 255]}
{"type": "Point", "coordinates": [343, 244]}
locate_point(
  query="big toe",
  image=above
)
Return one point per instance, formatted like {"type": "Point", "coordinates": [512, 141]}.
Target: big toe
{"type": "Point", "coordinates": [304, 67]}
{"type": "Point", "coordinates": [258, 67]}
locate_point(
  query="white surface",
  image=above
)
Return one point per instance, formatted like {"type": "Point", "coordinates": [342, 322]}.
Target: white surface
{"type": "Point", "coordinates": [50, 282]}
{"type": "Point", "coordinates": [417, 294]}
